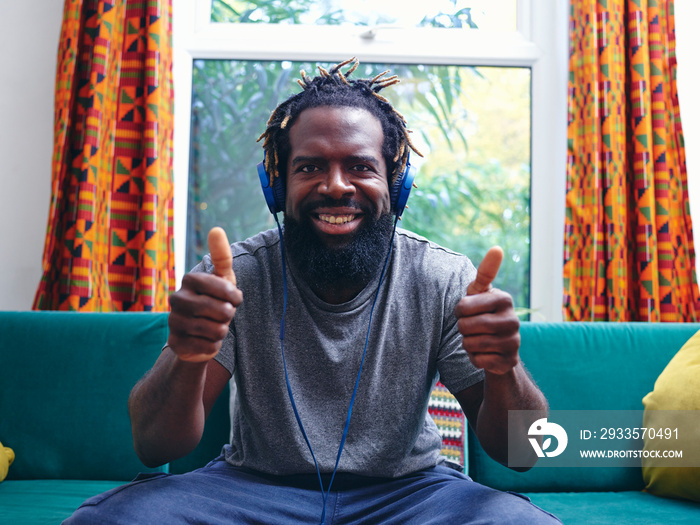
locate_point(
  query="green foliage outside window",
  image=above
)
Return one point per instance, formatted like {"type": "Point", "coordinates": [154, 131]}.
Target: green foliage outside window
{"type": "Point", "coordinates": [329, 12]}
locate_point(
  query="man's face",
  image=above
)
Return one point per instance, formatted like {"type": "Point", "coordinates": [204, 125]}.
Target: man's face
{"type": "Point", "coordinates": [336, 174]}
{"type": "Point", "coordinates": [338, 221]}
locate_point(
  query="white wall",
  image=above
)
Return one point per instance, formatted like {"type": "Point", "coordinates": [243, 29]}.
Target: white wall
{"type": "Point", "coordinates": [28, 63]}
{"type": "Point", "coordinates": [29, 33]}
{"type": "Point", "coordinates": [687, 51]}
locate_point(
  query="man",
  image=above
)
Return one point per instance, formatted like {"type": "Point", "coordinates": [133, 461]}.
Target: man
{"type": "Point", "coordinates": [335, 332]}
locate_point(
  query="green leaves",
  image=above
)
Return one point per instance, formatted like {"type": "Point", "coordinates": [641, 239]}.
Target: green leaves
{"type": "Point", "coordinates": [459, 19]}
{"type": "Point", "coordinates": [324, 12]}
{"type": "Point", "coordinates": [263, 11]}
{"type": "Point", "coordinates": [232, 101]}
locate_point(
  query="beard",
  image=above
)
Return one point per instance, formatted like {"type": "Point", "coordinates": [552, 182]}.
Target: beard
{"type": "Point", "coordinates": [355, 262]}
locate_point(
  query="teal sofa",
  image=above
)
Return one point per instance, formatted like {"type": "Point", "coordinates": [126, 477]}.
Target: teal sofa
{"type": "Point", "coordinates": [65, 378]}
{"type": "Point", "coordinates": [596, 367]}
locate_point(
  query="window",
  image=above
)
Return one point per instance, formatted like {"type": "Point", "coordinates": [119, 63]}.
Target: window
{"type": "Point", "coordinates": [466, 92]}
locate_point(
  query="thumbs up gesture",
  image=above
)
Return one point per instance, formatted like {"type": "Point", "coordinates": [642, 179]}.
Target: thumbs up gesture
{"type": "Point", "coordinates": [220, 253]}
{"type": "Point", "coordinates": [487, 321]}
{"type": "Point", "coordinates": [201, 311]}
{"type": "Point", "coordinates": [488, 269]}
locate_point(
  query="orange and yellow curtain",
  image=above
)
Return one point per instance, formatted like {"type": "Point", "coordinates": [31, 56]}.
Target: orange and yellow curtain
{"type": "Point", "coordinates": [109, 242]}
{"type": "Point", "coordinates": [629, 253]}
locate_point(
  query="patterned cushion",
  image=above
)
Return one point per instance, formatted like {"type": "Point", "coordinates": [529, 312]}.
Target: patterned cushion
{"type": "Point", "coordinates": [449, 418]}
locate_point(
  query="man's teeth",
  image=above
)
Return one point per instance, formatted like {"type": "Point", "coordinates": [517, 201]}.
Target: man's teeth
{"type": "Point", "coordinates": [336, 219]}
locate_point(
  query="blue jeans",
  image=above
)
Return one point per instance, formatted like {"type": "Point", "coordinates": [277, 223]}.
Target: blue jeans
{"type": "Point", "coordinates": [222, 494]}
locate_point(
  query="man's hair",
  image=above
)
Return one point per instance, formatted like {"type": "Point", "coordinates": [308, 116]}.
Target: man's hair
{"type": "Point", "coordinates": [334, 88]}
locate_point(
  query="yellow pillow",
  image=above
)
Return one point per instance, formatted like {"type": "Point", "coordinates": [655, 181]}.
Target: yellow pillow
{"type": "Point", "coordinates": [7, 456]}
{"type": "Point", "coordinates": [677, 388]}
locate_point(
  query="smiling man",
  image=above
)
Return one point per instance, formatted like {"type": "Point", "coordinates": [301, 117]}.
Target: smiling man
{"type": "Point", "coordinates": [335, 330]}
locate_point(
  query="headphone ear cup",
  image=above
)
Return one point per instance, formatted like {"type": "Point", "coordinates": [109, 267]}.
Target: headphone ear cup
{"type": "Point", "coordinates": [279, 191]}
{"type": "Point", "coordinates": [275, 194]}
{"type": "Point", "coordinates": [401, 189]}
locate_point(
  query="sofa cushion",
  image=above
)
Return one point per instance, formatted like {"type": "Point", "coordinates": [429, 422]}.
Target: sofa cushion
{"type": "Point", "coordinates": [675, 391]}
{"type": "Point", "coordinates": [620, 508]}
{"type": "Point", "coordinates": [586, 366]}
{"type": "Point", "coordinates": [66, 378]}
{"type": "Point", "coordinates": [32, 502]}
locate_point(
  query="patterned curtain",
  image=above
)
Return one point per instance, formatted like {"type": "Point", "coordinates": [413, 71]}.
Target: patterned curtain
{"type": "Point", "coordinates": [629, 253]}
{"type": "Point", "coordinates": [109, 244]}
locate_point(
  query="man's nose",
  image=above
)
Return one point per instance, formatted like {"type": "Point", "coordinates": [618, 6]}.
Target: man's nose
{"type": "Point", "coordinates": [336, 184]}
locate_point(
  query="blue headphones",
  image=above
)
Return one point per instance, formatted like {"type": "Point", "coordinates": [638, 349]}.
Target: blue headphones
{"type": "Point", "coordinates": [275, 194]}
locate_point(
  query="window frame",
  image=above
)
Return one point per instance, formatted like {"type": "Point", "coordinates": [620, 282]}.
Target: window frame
{"type": "Point", "coordinates": [539, 43]}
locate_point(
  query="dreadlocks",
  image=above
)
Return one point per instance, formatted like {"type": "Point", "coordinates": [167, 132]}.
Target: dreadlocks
{"type": "Point", "coordinates": [334, 88]}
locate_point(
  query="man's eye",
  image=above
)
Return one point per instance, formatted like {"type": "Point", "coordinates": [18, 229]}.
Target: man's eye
{"type": "Point", "coordinates": [309, 168]}
{"type": "Point", "coordinates": [361, 167]}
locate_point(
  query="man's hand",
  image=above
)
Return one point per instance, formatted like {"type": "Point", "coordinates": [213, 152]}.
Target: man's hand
{"type": "Point", "coordinates": [487, 320]}
{"type": "Point", "coordinates": [490, 335]}
{"type": "Point", "coordinates": [203, 308]}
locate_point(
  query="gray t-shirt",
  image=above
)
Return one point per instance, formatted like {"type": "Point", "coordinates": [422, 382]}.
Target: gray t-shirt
{"type": "Point", "coordinates": [413, 340]}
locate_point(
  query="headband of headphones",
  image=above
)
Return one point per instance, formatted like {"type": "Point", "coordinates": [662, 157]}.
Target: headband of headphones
{"type": "Point", "coordinates": [275, 194]}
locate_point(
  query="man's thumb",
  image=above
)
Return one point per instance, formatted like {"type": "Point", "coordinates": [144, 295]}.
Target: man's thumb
{"type": "Point", "coordinates": [488, 269]}
{"type": "Point", "coordinates": [220, 252]}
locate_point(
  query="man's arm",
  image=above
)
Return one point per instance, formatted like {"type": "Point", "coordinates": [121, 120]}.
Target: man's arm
{"type": "Point", "coordinates": [491, 337]}
{"type": "Point", "coordinates": [486, 406]}
{"type": "Point", "coordinates": [169, 406]}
